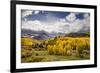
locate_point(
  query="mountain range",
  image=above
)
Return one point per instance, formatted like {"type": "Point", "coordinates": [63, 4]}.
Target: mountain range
{"type": "Point", "coordinates": [42, 35]}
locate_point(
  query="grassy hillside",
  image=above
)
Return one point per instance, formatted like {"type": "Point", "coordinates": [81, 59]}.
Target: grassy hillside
{"type": "Point", "coordinates": [60, 48]}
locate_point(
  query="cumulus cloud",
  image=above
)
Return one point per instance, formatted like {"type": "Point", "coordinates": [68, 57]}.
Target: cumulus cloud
{"type": "Point", "coordinates": [29, 12]}
{"type": "Point", "coordinates": [71, 17]}
{"type": "Point", "coordinates": [36, 12]}
{"type": "Point", "coordinates": [67, 25]}
{"type": "Point", "coordinates": [62, 20]}
{"type": "Point", "coordinates": [26, 13]}
{"type": "Point", "coordinates": [86, 15]}
{"type": "Point", "coordinates": [76, 26]}
{"type": "Point", "coordinates": [36, 25]}
{"type": "Point", "coordinates": [86, 22]}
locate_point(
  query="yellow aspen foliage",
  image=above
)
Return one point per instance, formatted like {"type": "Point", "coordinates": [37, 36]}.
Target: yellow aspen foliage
{"type": "Point", "coordinates": [65, 45]}
{"type": "Point", "coordinates": [26, 47]}
{"type": "Point", "coordinates": [50, 49]}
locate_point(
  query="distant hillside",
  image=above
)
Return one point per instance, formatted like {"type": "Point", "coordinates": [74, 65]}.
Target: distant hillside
{"type": "Point", "coordinates": [39, 35]}
{"type": "Point", "coordinates": [78, 35]}
{"type": "Point", "coordinates": [42, 35]}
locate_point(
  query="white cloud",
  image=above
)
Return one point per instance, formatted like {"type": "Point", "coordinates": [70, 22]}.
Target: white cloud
{"type": "Point", "coordinates": [26, 13]}
{"type": "Point", "coordinates": [71, 17]}
{"type": "Point", "coordinates": [86, 22]}
{"type": "Point", "coordinates": [86, 15]}
{"type": "Point", "coordinates": [62, 25]}
{"type": "Point", "coordinates": [32, 25]}
{"type": "Point", "coordinates": [62, 20]}
{"type": "Point", "coordinates": [36, 12]}
{"type": "Point", "coordinates": [38, 26]}
{"type": "Point", "coordinates": [76, 26]}
{"type": "Point", "coordinates": [29, 12]}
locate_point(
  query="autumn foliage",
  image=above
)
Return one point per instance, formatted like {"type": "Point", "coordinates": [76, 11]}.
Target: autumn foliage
{"type": "Point", "coordinates": [69, 46]}
{"type": "Point", "coordinates": [37, 50]}
{"type": "Point", "coordinates": [26, 47]}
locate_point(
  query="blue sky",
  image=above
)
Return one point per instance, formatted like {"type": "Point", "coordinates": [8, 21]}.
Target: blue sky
{"type": "Point", "coordinates": [55, 21]}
